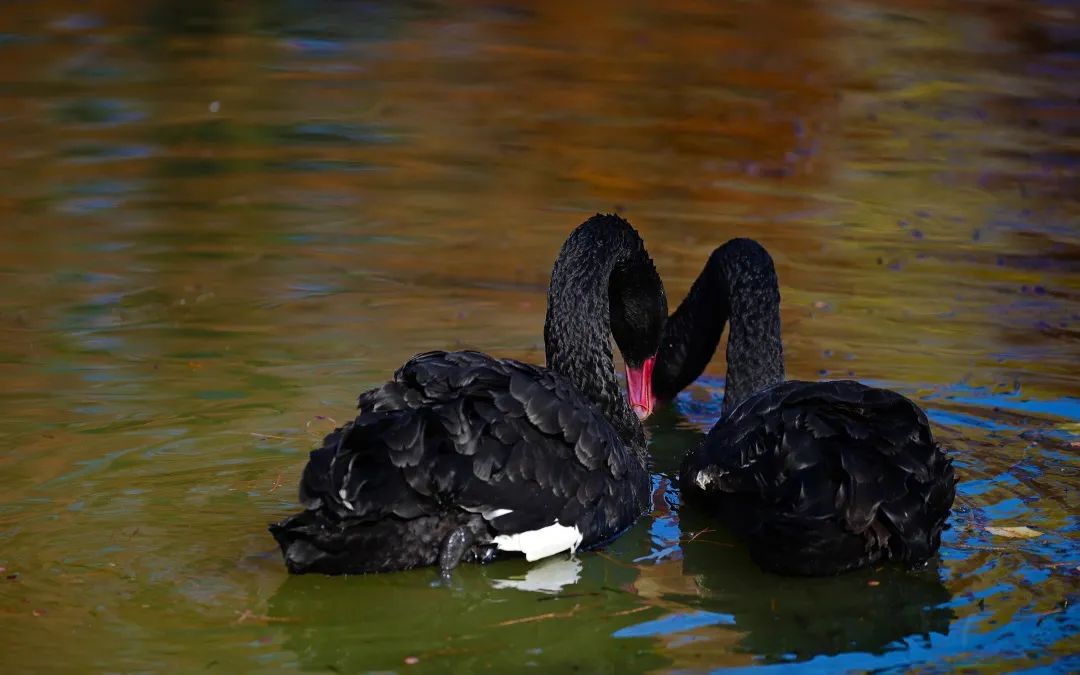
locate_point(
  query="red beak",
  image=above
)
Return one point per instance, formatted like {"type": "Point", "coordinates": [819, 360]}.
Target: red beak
{"type": "Point", "coordinates": [639, 388]}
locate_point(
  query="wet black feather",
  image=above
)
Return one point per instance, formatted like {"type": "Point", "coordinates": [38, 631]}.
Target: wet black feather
{"type": "Point", "coordinates": [833, 503]}
{"type": "Point", "coordinates": [497, 447]}
{"type": "Point", "coordinates": [441, 456]}
{"type": "Point", "coordinates": [820, 477]}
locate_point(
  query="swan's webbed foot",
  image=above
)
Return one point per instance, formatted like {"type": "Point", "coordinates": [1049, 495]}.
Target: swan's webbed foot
{"type": "Point", "coordinates": [453, 549]}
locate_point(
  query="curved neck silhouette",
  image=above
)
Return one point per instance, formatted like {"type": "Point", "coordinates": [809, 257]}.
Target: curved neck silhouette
{"type": "Point", "coordinates": [738, 285]}
{"type": "Point", "coordinates": [602, 269]}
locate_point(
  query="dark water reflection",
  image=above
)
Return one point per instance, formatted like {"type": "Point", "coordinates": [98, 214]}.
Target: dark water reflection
{"type": "Point", "coordinates": [795, 619]}
{"type": "Point", "coordinates": [222, 221]}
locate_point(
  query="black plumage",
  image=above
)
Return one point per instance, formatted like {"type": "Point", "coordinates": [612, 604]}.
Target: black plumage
{"type": "Point", "coordinates": [460, 451]}
{"type": "Point", "coordinates": [820, 477]}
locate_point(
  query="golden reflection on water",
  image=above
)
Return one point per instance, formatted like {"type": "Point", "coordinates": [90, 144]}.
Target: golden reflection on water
{"type": "Point", "coordinates": [223, 222]}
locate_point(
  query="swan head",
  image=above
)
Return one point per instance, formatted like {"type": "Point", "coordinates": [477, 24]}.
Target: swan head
{"type": "Point", "coordinates": [638, 310]}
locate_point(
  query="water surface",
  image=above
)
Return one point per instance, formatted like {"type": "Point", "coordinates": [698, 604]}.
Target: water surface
{"type": "Point", "coordinates": [221, 223]}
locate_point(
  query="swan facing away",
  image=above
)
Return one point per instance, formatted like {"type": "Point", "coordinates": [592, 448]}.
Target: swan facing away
{"type": "Point", "coordinates": [819, 477]}
{"type": "Point", "coordinates": [465, 457]}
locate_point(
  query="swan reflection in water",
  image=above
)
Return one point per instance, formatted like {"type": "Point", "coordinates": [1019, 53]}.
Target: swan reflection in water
{"type": "Point", "coordinates": [705, 603]}
{"type": "Point", "coordinates": [784, 618]}
{"type": "Point", "coordinates": [507, 612]}
{"type": "Point", "coordinates": [720, 608]}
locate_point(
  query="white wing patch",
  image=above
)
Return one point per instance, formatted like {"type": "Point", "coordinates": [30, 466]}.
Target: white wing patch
{"type": "Point", "coordinates": [541, 543]}
{"type": "Point", "coordinates": [703, 480]}
{"type": "Point", "coordinates": [496, 513]}
{"type": "Point", "coordinates": [341, 493]}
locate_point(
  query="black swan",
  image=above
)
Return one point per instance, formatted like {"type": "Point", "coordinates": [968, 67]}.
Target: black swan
{"type": "Point", "coordinates": [462, 456]}
{"type": "Point", "coordinates": [819, 477]}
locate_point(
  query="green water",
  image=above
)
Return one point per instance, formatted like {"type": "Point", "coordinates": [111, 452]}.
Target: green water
{"type": "Point", "coordinates": [222, 222]}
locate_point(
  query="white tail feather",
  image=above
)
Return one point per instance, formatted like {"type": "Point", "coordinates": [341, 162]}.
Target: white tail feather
{"type": "Point", "coordinates": [537, 544]}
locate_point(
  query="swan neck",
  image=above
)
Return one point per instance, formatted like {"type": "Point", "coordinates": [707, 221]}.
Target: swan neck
{"type": "Point", "coordinates": [692, 333]}
{"type": "Point", "coordinates": [577, 330]}
{"type": "Point", "coordinates": [755, 352]}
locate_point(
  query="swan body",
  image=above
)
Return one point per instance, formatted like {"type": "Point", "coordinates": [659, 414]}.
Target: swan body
{"type": "Point", "coordinates": [466, 457]}
{"type": "Point", "coordinates": [819, 477]}
{"type": "Point", "coordinates": [510, 455]}
{"type": "Point", "coordinates": [823, 477]}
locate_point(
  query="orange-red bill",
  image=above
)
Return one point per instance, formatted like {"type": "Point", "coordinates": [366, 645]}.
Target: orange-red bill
{"type": "Point", "coordinates": [639, 388]}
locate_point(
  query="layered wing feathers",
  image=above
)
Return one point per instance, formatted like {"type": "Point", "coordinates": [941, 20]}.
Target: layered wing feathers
{"type": "Point", "coordinates": [826, 476]}
{"type": "Point", "coordinates": [464, 431]}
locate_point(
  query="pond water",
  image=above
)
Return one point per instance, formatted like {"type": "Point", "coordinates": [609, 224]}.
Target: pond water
{"type": "Point", "coordinates": [221, 222]}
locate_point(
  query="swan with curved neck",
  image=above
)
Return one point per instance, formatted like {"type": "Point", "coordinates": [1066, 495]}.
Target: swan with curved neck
{"type": "Point", "coordinates": [465, 457]}
{"type": "Point", "coordinates": [820, 477]}
{"type": "Point", "coordinates": [738, 286]}
{"type": "Point", "coordinates": [604, 283]}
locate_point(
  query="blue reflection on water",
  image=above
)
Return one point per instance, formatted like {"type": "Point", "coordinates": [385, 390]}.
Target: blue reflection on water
{"type": "Point", "coordinates": [675, 623]}
{"type": "Point", "coordinates": [1066, 407]}
{"type": "Point", "coordinates": [1021, 638]}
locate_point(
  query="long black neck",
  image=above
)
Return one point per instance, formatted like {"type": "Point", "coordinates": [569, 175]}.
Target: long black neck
{"type": "Point", "coordinates": [738, 285]}
{"type": "Point", "coordinates": [577, 331]}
